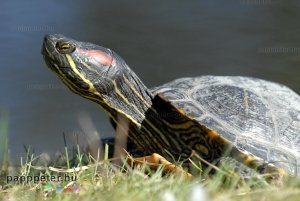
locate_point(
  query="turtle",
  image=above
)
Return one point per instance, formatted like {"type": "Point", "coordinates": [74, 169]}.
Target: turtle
{"type": "Point", "coordinates": [254, 122]}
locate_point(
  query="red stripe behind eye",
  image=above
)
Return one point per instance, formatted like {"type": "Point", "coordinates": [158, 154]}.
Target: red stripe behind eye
{"type": "Point", "coordinates": [99, 56]}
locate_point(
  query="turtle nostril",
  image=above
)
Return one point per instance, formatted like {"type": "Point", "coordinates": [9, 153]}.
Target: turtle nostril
{"type": "Point", "coordinates": [46, 37]}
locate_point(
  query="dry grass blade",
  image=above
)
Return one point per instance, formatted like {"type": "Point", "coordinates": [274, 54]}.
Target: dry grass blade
{"type": "Point", "coordinates": [71, 170]}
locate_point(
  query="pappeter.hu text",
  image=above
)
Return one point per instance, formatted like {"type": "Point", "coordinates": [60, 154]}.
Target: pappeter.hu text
{"type": "Point", "coordinates": [38, 178]}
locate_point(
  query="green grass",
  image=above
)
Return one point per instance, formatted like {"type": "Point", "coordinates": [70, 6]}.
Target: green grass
{"type": "Point", "coordinates": [4, 155]}
{"type": "Point", "coordinates": [104, 181]}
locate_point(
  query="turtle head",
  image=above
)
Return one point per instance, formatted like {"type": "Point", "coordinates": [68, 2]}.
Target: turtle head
{"type": "Point", "coordinates": [95, 72]}
{"type": "Point", "coordinates": [82, 66]}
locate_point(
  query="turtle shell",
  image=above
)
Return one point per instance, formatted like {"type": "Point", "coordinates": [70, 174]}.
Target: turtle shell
{"type": "Point", "coordinates": [258, 116]}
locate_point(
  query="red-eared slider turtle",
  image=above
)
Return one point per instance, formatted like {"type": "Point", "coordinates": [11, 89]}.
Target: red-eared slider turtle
{"type": "Point", "coordinates": [252, 121]}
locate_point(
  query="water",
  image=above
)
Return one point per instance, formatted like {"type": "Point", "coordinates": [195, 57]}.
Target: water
{"type": "Point", "coordinates": [160, 40]}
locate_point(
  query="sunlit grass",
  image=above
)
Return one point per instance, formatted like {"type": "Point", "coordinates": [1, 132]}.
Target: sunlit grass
{"type": "Point", "coordinates": [101, 180]}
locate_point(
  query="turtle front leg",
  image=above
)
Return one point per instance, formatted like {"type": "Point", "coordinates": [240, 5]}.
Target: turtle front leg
{"type": "Point", "coordinates": [155, 160]}
{"type": "Point", "coordinates": [122, 142]}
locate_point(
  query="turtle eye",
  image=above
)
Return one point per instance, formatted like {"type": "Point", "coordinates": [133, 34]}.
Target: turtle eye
{"type": "Point", "coordinates": [65, 47]}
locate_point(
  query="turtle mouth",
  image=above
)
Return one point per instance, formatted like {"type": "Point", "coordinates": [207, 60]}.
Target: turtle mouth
{"type": "Point", "coordinates": [52, 64]}
{"type": "Point", "coordinates": [47, 53]}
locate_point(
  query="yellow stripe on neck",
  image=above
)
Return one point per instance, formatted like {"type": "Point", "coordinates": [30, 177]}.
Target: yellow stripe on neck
{"type": "Point", "coordinates": [92, 89]}
{"type": "Point", "coordinates": [73, 66]}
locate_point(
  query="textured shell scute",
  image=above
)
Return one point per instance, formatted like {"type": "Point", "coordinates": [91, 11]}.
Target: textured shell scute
{"type": "Point", "coordinates": [218, 126]}
{"type": "Point", "coordinates": [259, 116]}
{"type": "Point", "coordinates": [190, 108]}
{"type": "Point", "coordinates": [174, 94]}
{"type": "Point", "coordinates": [235, 105]}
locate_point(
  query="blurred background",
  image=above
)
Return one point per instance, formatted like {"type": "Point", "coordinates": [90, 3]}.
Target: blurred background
{"type": "Point", "coordinates": [159, 40]}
